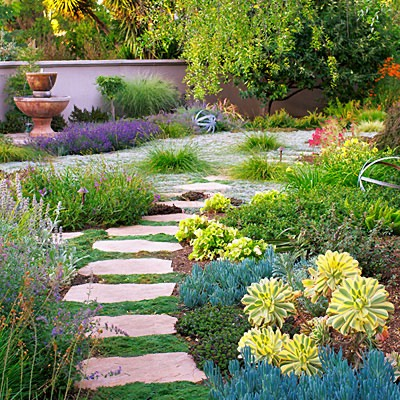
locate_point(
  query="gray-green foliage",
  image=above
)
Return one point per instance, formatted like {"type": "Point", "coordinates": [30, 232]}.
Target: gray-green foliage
{"type": "Point", "coordinates": [224, 282]}
{"type": "Point", "coordinates": [262, 381]}
{"type": "Point", "coordinates": [146, 95]}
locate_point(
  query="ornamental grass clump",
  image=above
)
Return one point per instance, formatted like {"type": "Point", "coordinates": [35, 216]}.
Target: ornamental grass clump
{"type": "Point", "coordinates": [93, 138]}
{"type": "Point", "coordinates": [259, 142]}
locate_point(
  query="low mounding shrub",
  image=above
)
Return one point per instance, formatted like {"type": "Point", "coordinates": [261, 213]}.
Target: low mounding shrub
{"type": "Point", "coordinates": [91, 195]}
{"type": "Point", "coordinates": [40, 340]}
{"type": "Point", "coordinates": [90, 138]}
{"type": "Point", "coordinates": [215, 332]}
{"type": "Point", "coordinates": [259, 381]}
{"type": "Point", "coordinates": [223, 282]}
{"type": "Point", "coordinates": [94, 115]}
{"type": "Point", "coordinates": [144, 96]}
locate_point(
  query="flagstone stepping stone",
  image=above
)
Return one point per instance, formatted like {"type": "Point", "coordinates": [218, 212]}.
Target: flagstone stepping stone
{"type": "Point", "coordinates": [142, 230]}
{"type": "Point", "coordinates": [213, 178]}
{"type": "Point", "coordinates": [71, 235]}
{"type": "Point", "coordinates": [184, 204]}
{"type": "Point", "coordinates": [150, 368]}
{"type": "Point", "coordinates": [130, 266]}
{"type": "Point", "coordinates": [108, 293]}
{"type": "Point", "coordinates": [134, 246]}
{"type": "Point", "coordinates": [167, 217]}
{"type": "Point", "coordinates": [207, 186]}
{"type": "Point", "coordinates": [134, 325]}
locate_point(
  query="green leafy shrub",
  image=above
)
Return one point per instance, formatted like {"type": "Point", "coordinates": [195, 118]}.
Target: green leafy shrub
{"type": "Point", "coordinates": [217, 203]}
{"type": "Point", "coordinates": [110, 87]}
{"type": "Point", "coordinates": [211, 242]}
{"type": "Point", "coordinates": [94, 115]}
{"type": "Point", "coordinates": [144, 96]}
{"type": "Point", "coordinates": [215, 332]}
{"type": "Point", "coordinates": [175, 160]}
{"type": "Point", "coordinates": [346, 112]}
{"type": "Point", "coordinates": [223, 282]}
{"type": "Point", "coordinates": [91, 195]}
{"type": "Point", "coordinates": [374, 380]}
{"type": "Point", "coordinates": [311, 121]}
{"type": "Point", "coordinates": [258, 142]}
{"type": "Point", "coordinates": [370, 115]}
{"type": "Point", "coordinates": [188, 226]}
{"type": "Point", "coordinates": [270, 196]}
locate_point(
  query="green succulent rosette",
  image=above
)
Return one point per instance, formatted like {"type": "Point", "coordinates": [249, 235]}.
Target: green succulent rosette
{"type": "Point", "coordinates": [333, 267]}
{"type": "Point", "coordinates": [269, 302]}
{"type": "Point", "coordinates": [359, 305]}
{"type": "Point", "coordinates": [300, 356]}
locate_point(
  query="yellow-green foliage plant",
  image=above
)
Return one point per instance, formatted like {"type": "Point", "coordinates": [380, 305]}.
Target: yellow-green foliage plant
{"type": "Point", "coordinates": [216, 203]}
{"type": "Point", "coordinates": [188, 226]}
{"type": "Point", "coordinates": [244, 247]}
{"type": "Point", "coordinates": [359, 305]}
{"type": "Point", "coordinates": [318, 330]}
{"type": "Point", "coordinates": [271, 195]}
{"type": "Point", "coordinates": [300, 356]}
{"type": "Point", "coordinates": [264, 343]}
{"type": "Point", "coordinates": [269, 302]}
{"type": "Point", "coordinates": [333, 267]}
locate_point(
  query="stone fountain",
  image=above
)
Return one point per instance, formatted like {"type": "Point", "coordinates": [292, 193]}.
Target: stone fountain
{"type": "Point", "coordinates": [42, 107]}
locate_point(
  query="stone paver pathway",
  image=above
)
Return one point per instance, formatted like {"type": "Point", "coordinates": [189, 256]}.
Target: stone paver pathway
{"type": "Point", "coordinates": [129, 266]}
{"type": "Point", "coordinates": [149, 368]}
{"type": "Point", "coordinates": [135, 246]}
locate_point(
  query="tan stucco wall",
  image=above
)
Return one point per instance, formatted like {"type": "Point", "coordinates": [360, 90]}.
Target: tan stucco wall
{"type": "Point", "coordinates": [77, 79]}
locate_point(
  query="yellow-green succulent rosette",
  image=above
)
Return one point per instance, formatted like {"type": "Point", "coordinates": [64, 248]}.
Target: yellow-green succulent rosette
{"type": "Point", "coordinates": [269, 302]}
{"type": "Point", "coordinates": [300, 356]}
{"type": "Point", "coordinates": [333, 267]}
{"type": "Point", "coordinates": [265, 344]}
{"type": "Point", "coordinates": [359, 305]}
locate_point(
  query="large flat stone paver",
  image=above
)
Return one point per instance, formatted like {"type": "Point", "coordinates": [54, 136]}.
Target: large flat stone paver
{"type": "Point", "coordinates": [150, 368]}
{"type": "Point", "coordinates": [130, 266]}
{"type": "Point", "coordinates": [134, 325]}
{"type": "Point", "coordinates": [207, 186]}
{"type": "Point", "coordinates": [134, 246]}
{"type": "Point", "coordinates": [106, 293]}
{"type": "Point", "coordinates": [184, 204]}
{"type": "Point", "coordinates": [136, 230]}
{"type": "Point", "coordinates": [167, 217]}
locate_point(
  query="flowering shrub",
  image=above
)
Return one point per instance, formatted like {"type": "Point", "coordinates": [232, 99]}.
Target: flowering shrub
{"type": "Point", "coordinates": [91, 138]}
{"type": "Point", "coordinates": [41, 340]}
{"type": "Point", "coordinates": [94, 194]}
{"type": "Point", "coordinates": [331, 134]}
{"type": "Point", "coordinates": [387, 88]}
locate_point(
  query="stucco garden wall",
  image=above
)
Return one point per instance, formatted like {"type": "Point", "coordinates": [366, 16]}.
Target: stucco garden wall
{"type": "Point", "coordinates": [77, 79]}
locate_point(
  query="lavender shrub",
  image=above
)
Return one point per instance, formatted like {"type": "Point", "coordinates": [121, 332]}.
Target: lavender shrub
{"type": "Point", "coordinates": [92, 138]}
{"type": "Point", "coordinates": [40, 340]}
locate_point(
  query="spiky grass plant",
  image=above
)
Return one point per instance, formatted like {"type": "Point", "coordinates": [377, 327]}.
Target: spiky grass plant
{"type": "Point", "coordinates": [175, 160]}
{"type": "Point", "coordinates": [300, 355]}
{"type": "Point", "coordinates": [146, 95]}
{"type": "Point", "coordinates": [359, 305]}
{"type": "Point", "coordinates": [333, 268]}
{"type": "Point", "coordinates": [370, 126]}
{"type": "Point", "coordinates": [258, 142]}
{"type": "Point", "coordinates": [258, 168]}
{"type": "Point", "coordinates": [269, 302]}
{"type": "Point", "coordinates": [10, 152]}
{"type": "Point", "coordinates": [264, 343]}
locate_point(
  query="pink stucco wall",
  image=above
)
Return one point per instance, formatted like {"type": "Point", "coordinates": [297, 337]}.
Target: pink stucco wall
{"type": "Point", "coordinates": [77, 79]}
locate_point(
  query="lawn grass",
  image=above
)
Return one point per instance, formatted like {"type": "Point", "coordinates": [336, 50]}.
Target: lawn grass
{"type": "Point", "coordinates": [160, 305]}
{"type": "Point", "coordinates": [144, 278]}
{"type": "Point", "coordinates": [153, 391]}
{"type": "Point", "coordinates": [138, 346]}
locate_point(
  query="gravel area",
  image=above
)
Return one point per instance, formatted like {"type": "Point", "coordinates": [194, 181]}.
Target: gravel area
{"type": "Point", "coordinates": [219, 149]}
